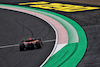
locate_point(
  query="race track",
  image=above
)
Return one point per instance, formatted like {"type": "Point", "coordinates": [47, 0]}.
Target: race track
{"type": "Point", "coordinates": [16, 26]}
{"type": "Point", "coordinates": [81, 50]}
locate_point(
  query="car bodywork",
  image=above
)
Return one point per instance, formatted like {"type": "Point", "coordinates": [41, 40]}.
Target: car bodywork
{"type": "Point", "coordinates": [30, 43]}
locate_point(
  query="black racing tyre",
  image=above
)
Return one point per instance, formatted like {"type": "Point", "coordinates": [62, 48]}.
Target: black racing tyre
{"type": "Point", "coordinates": [32, 46]}
{"type": "Point", "coordinates": [40, 41]}
{"type": "Point", "coordinates": [38, 44]}
{"type": "Point", "coordinates": [22, 47]}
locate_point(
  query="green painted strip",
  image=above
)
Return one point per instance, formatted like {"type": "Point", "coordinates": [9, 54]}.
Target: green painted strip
{"type": "Point", "coordinates": [62, 56]}
{"type": "Point", "coordinates": [71, 54]}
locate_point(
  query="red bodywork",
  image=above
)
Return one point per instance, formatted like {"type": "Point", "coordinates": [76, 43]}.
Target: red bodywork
{"type": "Point", "coordinates": [30, 41]}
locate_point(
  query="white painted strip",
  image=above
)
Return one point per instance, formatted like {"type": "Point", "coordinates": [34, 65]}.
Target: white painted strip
{"type": "Point", "coordinates": [49, 40]}
{"type": "Point", "coordinates": [59, 47]}
{"type": "Point", "coordinates": [1, 47]}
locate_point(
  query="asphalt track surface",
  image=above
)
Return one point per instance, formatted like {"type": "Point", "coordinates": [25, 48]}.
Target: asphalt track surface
{"type": "Point", "coordinates": [16, 26]}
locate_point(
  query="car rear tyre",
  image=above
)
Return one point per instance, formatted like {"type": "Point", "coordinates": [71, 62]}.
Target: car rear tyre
{"type": "Point", "coordinates": [40, 41]}
{"type": "Point", "coordinates": [38, 44]}
{"type": "Point", "coordinates": [22, 47]}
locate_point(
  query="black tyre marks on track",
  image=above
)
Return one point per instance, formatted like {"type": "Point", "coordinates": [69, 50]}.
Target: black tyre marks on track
{"type": "Point", "coordinates": [12, 32]}
{"type": "Point", "coordinates": [24, 27]}
{"type": "Point", "coordinates": [38, 34]}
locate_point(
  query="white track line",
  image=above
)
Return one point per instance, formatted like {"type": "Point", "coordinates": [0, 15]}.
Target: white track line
{"type": "Point", "coordinates": [49, 40]}
{"type": "Point", "coordinates": [1, 47]}
{"type": "Point", "coordinates": [9, 46]}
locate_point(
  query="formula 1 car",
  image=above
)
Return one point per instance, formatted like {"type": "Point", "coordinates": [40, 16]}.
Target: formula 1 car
{"type": "Point", "coordinates": [30, 43]}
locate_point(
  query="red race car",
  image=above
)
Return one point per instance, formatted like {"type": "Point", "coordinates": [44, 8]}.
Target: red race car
{"type": "Point", "coordinates": [30, 43]}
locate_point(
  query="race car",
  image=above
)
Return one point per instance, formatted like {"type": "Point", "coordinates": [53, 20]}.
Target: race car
{"type": "Point", "coordinates": [31, 43]}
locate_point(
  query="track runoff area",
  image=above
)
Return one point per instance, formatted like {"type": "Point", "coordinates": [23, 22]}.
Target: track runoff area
{"type": "Point", "coordinates": [50, 5]}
